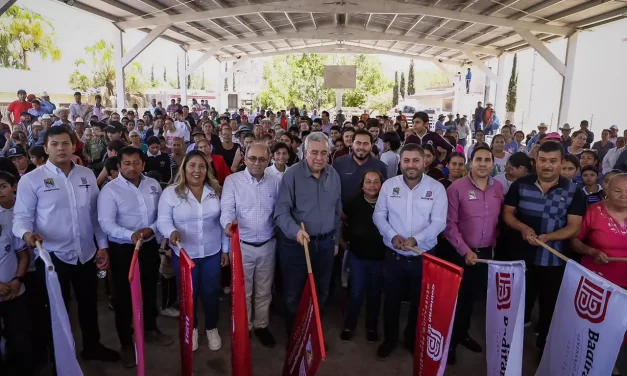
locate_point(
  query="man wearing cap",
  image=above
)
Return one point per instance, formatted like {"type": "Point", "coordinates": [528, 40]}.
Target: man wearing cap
{"type": "Point", "coordinates": [486, 117]}
{"type": "Point", "coordinates": [613, 134]}
{"type": "Point", "coordinates": [534, 140]}
{"type": "Point", "coordinates": [197, 135]}
{"type": "Point", "coordinates": [590, 139]}
{"type": "Point", "coordinates": [340, 117]}
{"type": "Point", "coordinates": [36, 111]}
{"type": "Point", "coordinates": [46, 122]}
{"type": "Point", "coordinates": [78, 109]}
{"type": "Point", "coordinates": [244, 122]}
{"type": "Point", "coordinates": [604, 145]}
{"type": "Point", "coordinates": [114, 131]}
{"type": "Point", "coordinates": [478, 120]}
{"type": "Point", "coordinates": [35, 129]}
{"type": "Point", "coordinates": [48, 107]}
{"type": "Point", "coordinates": [439, 124]}
{"type": "Point", "coordinates": [17, 107]}
{"type": "Point", "coordinates": [450, 125]}
{"type": "Point", "coordinates": [565, 139]}
{"type": "Point", "coordinates": [63, 114]}
{"type": "Point", "coordinates": [19, 157]}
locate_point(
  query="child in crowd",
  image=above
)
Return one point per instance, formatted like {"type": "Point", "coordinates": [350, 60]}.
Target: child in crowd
{"type": "Point", "coordinates": [168, 282]}
{"type": "Point", "coordinates": [518, 165]}
{"type": "Point", "coordinates": [591, 188]}
{"type": "Point", "coordinates": [38, 155]}
{"type": "Point", "coordinates": [587, 157]}
{"type": "Point", "coordinates": [95, 147]}
{"type": "Point", "coordinates": [111, 165]}
{"type": "Point", "coordinates": [570, 167]}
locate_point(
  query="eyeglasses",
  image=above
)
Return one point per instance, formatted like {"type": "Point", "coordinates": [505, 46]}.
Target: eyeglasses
{"type": "Point", "coordinates": [254, 160]}
{"type": "Point", "coordinates": [316, 153]}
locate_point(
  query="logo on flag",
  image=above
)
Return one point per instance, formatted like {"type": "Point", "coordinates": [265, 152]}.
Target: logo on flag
{"type": "Point", "coordinates": [591, 301]}
{"type": "Point", "coordinates": [503, 290]}
{"type": "Point", "coordinates": [434, 344]}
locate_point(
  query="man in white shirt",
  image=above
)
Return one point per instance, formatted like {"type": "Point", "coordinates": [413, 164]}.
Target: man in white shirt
{"type": "Point", "coordinates": [247, 201]}
{"type": "Point", "coordinates": [609, 161]}
{"type": "Point", "coordinates": [127, 212]}
{"type": "Point", "coordinates": [79, 109]}
{"type": "Point", "coordinates": [56, 205]}
{"type": "Point", "coordinates": [183, 126]}
{"type": "Point", "coordinates": [410, 212]}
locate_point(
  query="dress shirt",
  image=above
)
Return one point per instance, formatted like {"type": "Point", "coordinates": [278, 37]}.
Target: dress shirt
{"type": "Point", "coordinates": [351, 173]}
{"type": "Point", "coordinates": [197, 222]}
{"type": "Point", "coordinates": [314, 201]}
{"type": "Point", "coordinates": [48, 107]}
{"type": "Point", "coordinates": [251, 202]}
{"type": "Point", "coordinates": [9, 246]}
{"type": "Point", "coordinates": [62, 209]}
{"type": "Point", "coordinates": [419, 212]}
{"type": "Point", "coordinates": [97, 111]}
{"type": "Point", "coordinates": [124, 208]}
{"type": "Point", "coordinates": [473, 214]}
{"type": "Point", "coordinates": [391, 160]}
{"type": "Point", "coordinates": [183, 127]}
{"type": "Point", "coordinates": [610, 159]}
{"type": "Point", "coordinates": [36, 114]}
{"type": "Point", "coordinates": [78, 110]}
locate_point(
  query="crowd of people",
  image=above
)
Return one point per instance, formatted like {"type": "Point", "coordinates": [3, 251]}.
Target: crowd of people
{"type": "Point", "coordinates": [90, 183]}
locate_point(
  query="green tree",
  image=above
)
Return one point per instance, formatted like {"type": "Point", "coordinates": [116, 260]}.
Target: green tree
{"type": "Point", "coordinates": [411, 90]}
{"type": "Point", "coordinates": [510, 104]}
{"type": "Point", "coordinates": [23, 32]}
{"type": "Point", "coordinates": [395, 90]}
{"type": "Point", "coordinates": [189, 76]}
{"type": "Point", "coordinates": [370, 81]}
{"type": "Point", "coordinates": [165, 74]}
{"type": "Point", "coordinates": [153, 82]}
{"type": "Point", "coordinates": [402, 87]}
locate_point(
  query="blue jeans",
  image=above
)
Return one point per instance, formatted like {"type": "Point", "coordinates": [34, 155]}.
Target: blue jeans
{"type": "Point", "coordinates": [399, 274]}
{"type": "Point", "coordinates": [365, 281]}
{"type": "Point", "coordinates": [206, 282]}
{"type": "Point", "coordinates": [294, 271]}
{"type": "Point", "coordinates": [462, 142]}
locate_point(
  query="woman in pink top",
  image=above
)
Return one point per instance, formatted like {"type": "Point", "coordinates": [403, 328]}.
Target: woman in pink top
{"type": "Point", "coordinates": [171, 133]}
{"type": "Point", "coordinates": [604, 234]}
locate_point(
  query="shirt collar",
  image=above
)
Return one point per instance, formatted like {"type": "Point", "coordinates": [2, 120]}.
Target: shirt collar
{"type": "Point", "coordinates": [490, 181]}
{"type": "Point", "coordinates": [153, 155]}
{"type": "Point", "coordinates": [308, 170]}
{"type": "Point", "coordinates": [54, 169]}
{"type": "Point", "coordinates": [252, 178]}
{"type": "Point", "coordinates": [127, 182]}
{"type": "Point", "coordinates": [424, 175]}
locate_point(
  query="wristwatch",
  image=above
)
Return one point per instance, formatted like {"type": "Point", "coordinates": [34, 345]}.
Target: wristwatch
{"type": "Point", "coordinates": [18, 278]}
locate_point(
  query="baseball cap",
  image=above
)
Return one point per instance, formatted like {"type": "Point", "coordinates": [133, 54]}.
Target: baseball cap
{"type": "Point", "coordinates": [30, 97]}
{"type": "Point", "coordinates": [44, 94]}
{"type": "Point", "coordinates": [21, 91]}
{"type": "Point", "coordinates": [614, 127]}
{"type": "Point", "coordinates": [79, 120]}
{"type": "Point", "coordinates": [17, 151]}
{"type": "Point", "coordinates": [197, 132]}
{"type": "Point", "coordinates": [45, 117]}
{"type": "Point", "coordinates": [244, 116]}
{"type": "Point", "coordinates": [25, 113]}
{"type": "Point", "coordinates": [553, 136]}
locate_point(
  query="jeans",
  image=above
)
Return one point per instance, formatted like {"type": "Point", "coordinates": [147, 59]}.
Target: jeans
{"type": "Point", "coordinates": [467, 86]}
{"type": "Point", "coordinates": [400, 273]}
{"type": "Point", "coordinates": [365, 281]}
{"type": "Point", "coordinates": [462, 142]}
{"type": "Point", "coordinates": [206, 282]}
{"type": "Point", "coordinates": [294, 269]}
{"type": "Point", "coordinates": [474, 281]}
{"type": "Point", "coordinates": [120, 259]}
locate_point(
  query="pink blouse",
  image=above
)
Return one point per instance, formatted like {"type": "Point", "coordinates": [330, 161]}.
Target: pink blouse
{"type": "Point", "coordinates": [600, 231]}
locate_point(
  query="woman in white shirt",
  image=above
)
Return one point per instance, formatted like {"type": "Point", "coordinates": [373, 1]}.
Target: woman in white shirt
{"type": "Point", "coordinates": [171, 132]}
{"type": "Point", "coordinates": [500, 155]}
{"type": "Point", "coordinates": [189, 213]}
{"type": "Point", "coordinates": [280, 155]}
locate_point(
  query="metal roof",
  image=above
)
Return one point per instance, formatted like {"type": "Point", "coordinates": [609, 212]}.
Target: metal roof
{"type": "Point", "coordinates": [434, 30]}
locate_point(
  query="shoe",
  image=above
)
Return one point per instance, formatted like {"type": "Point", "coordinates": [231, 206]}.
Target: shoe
{"type": "Point", "coordinates": [99, 352]}
{"type": "Point", "coordinates": [170, 312]}
{"type": "Point", "coordinates": [195, 340]}
{"type": "Point", "coordinates": [265, 337]}
{"type": "Point", "coordinates": [452, 357]}
{"type": "Point", "coordinates": [384, 350]}
{"type": "Point", "coordinates": [155, 336]}
{"type": "Point", "coordinates": [127, 355]}
{"type": "Point", "coordinates": [346, 335]}
{"type": "Point", "coordinates": [372, 336]}
{"type": "Point", "coordinates": [215, 342]}
{"type": "Point", "coordinates": [470, 344]}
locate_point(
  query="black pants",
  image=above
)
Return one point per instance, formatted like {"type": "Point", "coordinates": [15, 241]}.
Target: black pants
{"type": "Point", "coordinates": [548, 280]}
{"type": "Point", "coordinates": [120, 256]}
{"type": "Point", "coordinates": [82, 278]}
{"type": "Point", "coordinates": [400, 272]}
{"type": "Point", "coordinates": [37, 307]}
{"type": "Point", "coordinates": [474, 283]}
{"type": "Point", "coordinates": [17, 330]}
{"type": "Point", "coordinates": [168, 292]}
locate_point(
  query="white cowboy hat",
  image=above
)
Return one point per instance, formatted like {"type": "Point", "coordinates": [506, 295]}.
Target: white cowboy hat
{"type": "Point", "coordinates": [566, 127]}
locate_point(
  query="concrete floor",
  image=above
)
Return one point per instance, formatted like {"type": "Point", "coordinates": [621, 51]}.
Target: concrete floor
{"type": "Point", "coordinates": [354, 358]}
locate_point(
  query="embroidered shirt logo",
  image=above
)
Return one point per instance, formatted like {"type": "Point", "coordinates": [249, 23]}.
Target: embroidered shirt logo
{"type": "Point", "coordinates": [49, 183]}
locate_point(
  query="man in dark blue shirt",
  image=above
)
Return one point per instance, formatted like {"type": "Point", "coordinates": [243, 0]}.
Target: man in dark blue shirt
{"type": "Point", "coordinates": [468, 79]}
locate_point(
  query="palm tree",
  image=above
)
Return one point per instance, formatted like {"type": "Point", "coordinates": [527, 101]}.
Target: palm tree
{"type": "Point", "coordinates": [23, 32]}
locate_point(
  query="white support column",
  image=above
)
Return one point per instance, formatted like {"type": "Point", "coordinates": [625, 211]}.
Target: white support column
{"type": "Point", "coordinates": [196, 64]}
{"type": "Point", "coordinates": [451, 76]}
{"type": "Point", "coordinates": [501, 89]}
{"type": "Point", "coordinates": [475, 59]}
{"type": "Point", "coordinates": [183, 77]}
{"type": "Point", "coordinates": [118, 47]}
{"type": "Point", "coordinates": [567, 83]}
{"type": "Point", "coordinates": [338, 100]}
{"type": "Point", "coordinates": [539, 46]}
{"type": "Point", "coordinates": [143, 44]}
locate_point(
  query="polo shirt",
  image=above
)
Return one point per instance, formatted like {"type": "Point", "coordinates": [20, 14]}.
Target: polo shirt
{"type": "Point", "coordinates": [17, 107]}
{"type": "Point", "coordinates": [545, 212]}
{"type": "Point", "coordinates": [351, 173]}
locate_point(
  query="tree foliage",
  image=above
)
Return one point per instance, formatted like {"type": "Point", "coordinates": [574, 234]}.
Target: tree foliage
{"type": "Point", "coordinates": [402, 86]}
{"type": "Point", "coordinates": [99, 76]}
{"type": "Point", "coordinates": [23, 32]}
{"type": "Point", "coordinates": [165, 74]}
{"type": "Point", "coordinates": [395, 90]}
{"type": "Point", "coordinates": [510, 104]}
{"type": "Point", "coordinates": [430, 78]}
{"type": "Point", "coordinates": [411, 90]}
{"type": "Point", "coordinates": [299, 79]}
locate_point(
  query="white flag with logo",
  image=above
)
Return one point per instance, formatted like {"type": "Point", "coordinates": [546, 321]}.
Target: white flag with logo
{"type": "Point", "coordinates": [588, 326]}
{"type": "Point", "coordinates": [505, 314]}
{"type": "Point", "coordinates": [64, 353]}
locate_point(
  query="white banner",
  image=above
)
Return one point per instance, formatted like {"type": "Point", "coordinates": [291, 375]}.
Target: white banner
{"type": "Point", "coordinates": [64, 353]}
{"type": "Point", "coordinates": [588, 326]}
{"type": "Point", "coordinates": [505, 314]}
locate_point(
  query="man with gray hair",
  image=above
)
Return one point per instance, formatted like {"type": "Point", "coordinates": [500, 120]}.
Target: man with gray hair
{"type": "Point", "coordinates": [248, 200]}
{"type": "Point", "coordinates": [309, 193]}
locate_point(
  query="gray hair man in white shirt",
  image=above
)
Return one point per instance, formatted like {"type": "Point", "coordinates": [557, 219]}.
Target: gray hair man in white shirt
{"type": "Point", "coordinates": [127, 212]}
{"type": "Point", "coordinates": [248, 200]}
{"type": "Point", "coordinates": [410, 212]}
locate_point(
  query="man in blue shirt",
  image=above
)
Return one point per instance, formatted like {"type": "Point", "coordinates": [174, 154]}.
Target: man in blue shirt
{"type": "Point", "coordinates": [439, 125]}
{"type": "Point", "coordinates": [478, 117]}
{"type": "Point", "coordinates": [468, 79]}
{"type": "Point", "coordinates": [47, 106]}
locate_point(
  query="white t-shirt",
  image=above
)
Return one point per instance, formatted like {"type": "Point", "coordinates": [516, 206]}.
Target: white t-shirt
{"type": "Point", "coordinates": [272, 170]}
{"type": "Point", "coordinates": [391, 160]}
{"type": "Point", "coordinates": [500, 163]}
{"type": "Point", "coordinates": [503, 180]}
{"type": "Point", "coordinates": [183, 127]}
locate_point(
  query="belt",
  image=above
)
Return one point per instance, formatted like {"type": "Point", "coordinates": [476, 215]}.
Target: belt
{"type": "Point", "coordinates": [482, 249]}
{"type": "Point", "coordinates": [256, 244]}
{"type": "Point", "coordinates": [399, 256]}
{"type": "Point", "coordinates": [326, 236]}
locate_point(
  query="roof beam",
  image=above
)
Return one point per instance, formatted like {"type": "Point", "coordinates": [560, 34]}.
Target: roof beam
{"type": "Point", "coordinates": [464, 6]}
{"type": "Point", "coordinates": [143, 44]}
{"type": "Point", "coordinates": [210, 52]}
{"type": "Point", "coordinates": [475, 59]}
{"type": "Point", "coordinates": [346, 33]}
{"type": "Point", "coordinates": [5, 5]}
{"type": "Point", "coordinates": [361, 6]}
{"type": "Point", "coordinates": [539, 46]}
{"type": "Point", "coordinates": [602, 18]}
